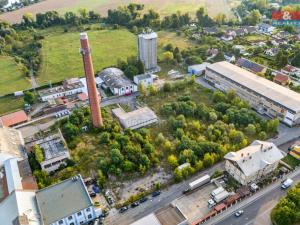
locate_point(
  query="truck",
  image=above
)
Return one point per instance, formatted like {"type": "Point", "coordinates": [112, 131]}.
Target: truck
{"type": "Point", "coordinates": [197, 183]}
{"type": "Point", "coordinates": [217, 191]}
{"type": "Point", "coordinates": [287, 183]}
{"type": "Point", "coordinates": [221, 196]}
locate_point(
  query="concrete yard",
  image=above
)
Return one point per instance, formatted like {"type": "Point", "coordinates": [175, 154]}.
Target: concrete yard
{"type": "Point", "coordinates": [194, 205]}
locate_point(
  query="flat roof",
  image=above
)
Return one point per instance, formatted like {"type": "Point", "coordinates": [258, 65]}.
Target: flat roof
{"type": "Point", "coordinates": [151, 35]}
{"type": "Point", "coordinates": [275, 92]}
{"type": "Point", "coordinates": [11, 144]}
{"type": "Point", "coordinates": [151, 219]}
{"type": "Point", "coordinates": [170, 215]}
{"type": "Point", "coordinates": [70, 84]}
{"type": "Point", "coordinates": [135, 119]}
{"type": "Point", "coordinates": [63, 199]}
{"type": "Point", "coordinates": [13, 118]}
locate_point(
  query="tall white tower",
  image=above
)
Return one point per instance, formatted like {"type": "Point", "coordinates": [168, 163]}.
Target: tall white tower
{"type": "Point", "coordinates": [147, 46]}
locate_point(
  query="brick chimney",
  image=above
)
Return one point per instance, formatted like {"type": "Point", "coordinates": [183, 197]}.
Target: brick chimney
{"type": "Point", "coordinates": [94, 98]}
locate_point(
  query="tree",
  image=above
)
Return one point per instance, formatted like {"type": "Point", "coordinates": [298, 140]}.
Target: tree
{"type": "Point", "coordinates": [116, 157]}
{"type": "Point", "coordinates": [220, 18]}
{"type": "Point", "coordinates": [104, 138]}
{"type": "Point", "coordinates": [168, 56]}
{"type": "Point", "coordinates": [254, 17]}
{"type": "Point", "coordinates": [140, 66]}
{"type": "Point", "coordinates": [250, 129]}
{"type": "Point", "coordinates": [208, 160]}
{"type": "Point", "coordinates": [281, 59]}
{"type": "Point", "coordinates": [28, 19]}
{"type": "Point", "coordinates": [38, 152]}
{"type": "Point", "coordinates": [178, 175]}
{"type": "Point", "coordinates": [152, 90]}
{"type": "Point", "coordinates": [29, 97]}
{"type": "Point", "coordinates": [219, 57]}
{"type": "Point", "coordinates": [172, 160]}
{"type": "Point", "coordinates": [219, 96]}
{"type": "Point", "coordinates": [262, 135]}
{"type": "Point", "coordinates": [131, 71]}
{"type": "Point", "coordinates": [142, 90]}
{"type": "Point", "coordinates": [101, 179]}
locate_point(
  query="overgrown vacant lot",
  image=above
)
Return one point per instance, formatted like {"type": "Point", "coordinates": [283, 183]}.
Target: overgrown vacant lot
{"type": "Point", "coordinates": [11, 77]}
{"type": "Point", "coordinates": [61, 57]}
{"type": "Point", "coordinates": [164, 7]}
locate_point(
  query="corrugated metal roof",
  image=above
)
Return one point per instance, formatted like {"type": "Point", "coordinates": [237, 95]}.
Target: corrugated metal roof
{"type": "Point", "coordinates": [275, 92]}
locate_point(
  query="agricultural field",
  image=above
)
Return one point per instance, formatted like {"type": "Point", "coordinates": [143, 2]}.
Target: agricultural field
{"type": "Point", "coordinates": [11, 78]}
{"type": "Point", "coordinates": [164, 7]}
{"type": "Point", "coordinates": [61, 58]}
{"type": "Point", "coordinates": [10, 104]}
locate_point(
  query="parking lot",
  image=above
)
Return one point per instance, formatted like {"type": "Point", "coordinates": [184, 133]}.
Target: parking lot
{"type": "Point", "coordinates": [194, 205]}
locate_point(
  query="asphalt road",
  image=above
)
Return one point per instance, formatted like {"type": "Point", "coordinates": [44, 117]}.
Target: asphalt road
{"type": "Point", "coordinates": [166, 197]}
{"type": "Point", "coordinates": [257, 208]}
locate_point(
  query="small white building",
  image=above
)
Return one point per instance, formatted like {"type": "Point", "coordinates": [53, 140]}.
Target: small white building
{"type": "Point", "coordinates": [254, 162]}
{"type": "Point", "coordinates": [117, 82]}
{"type": "Point", "coordinates": [198, 69]}
{"type": "Point", "coordinates": [70, 87]}
{"type": "Point", "coordinates": [144, 79]}
{"type": "Point", "coordinates": [135, 119]}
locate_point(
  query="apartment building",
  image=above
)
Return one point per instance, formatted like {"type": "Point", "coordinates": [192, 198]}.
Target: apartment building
{"type": "Point", "coordinates": [254, 162]}
{"type": "Point", "coordinates": [263, 95]}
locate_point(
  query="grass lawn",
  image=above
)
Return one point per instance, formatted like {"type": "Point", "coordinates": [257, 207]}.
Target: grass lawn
{"type": "Point", "coordinates": [10, 104]}
{"type": "Point", "coordinates": [291, 161]}
{"type": "Point", "coordinates": [256, 37]}
{"type": "Point", "coordinates": [11, 78]}
{"type": "Point", "coordinates": [61, 58]}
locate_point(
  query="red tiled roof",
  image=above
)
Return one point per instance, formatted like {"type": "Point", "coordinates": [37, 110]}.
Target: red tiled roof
{"type": "Point", "coordinates": [281, 78]}
{"type": "Point", "coordinates": [13, 118]}
{"type": "Point", "coordinates": [289, 68]}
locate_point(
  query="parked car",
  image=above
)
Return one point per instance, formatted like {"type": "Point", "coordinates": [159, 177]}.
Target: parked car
{"type": "Point", "coordinates": [123, 209]}
{"type": "Point", "coordinates": [287, 183]}
{"type": "Point", "coordinates": [92, 194]}
{"type": "Point", "coordinates": [105, 214]}
{"type": "Point", "coordinates": [156, 193]}
{"type": "Point", "coordinates": [110, 200]}
{"type": "Point", "coordinates": [135, 204]}
{"type": "Point", "coordinates": [239, 213]}
{"type": "Point", "coordinates": [144, 199]}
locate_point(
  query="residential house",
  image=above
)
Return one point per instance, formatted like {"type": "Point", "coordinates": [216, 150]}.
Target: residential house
{"type": "Point", "coordinates": [265, 28]}
{"type": "Point", "coordinates": [253, 163]}
{"type": "Point", "coordinates": [144, 79]}
{"type": "Point", "coordinates": [281, 79]}
{"type": "Point", "coordinates": [117, 82]}
{"type": "Point", "coordinates": [250, 29]}
{"type": "Point", "coordinates": [227, 37]}
{"type": "Point", "coordinates": [251, 66]}
{"type": "Point", "coordinates": [211, 30]}
{"type": "Point", "coordinates": [229, 58]}
{"type": "Point", "coordinates": [271, 52]}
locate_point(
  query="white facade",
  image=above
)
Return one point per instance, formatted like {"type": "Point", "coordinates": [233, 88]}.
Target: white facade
{"type": "Point", "coordinates": [263, 95]}
{"type": "Point", "coordinates": [147, 48]}
{"type": "Point", "coordinates": [78, 218]}
{"type": "Point", "coordinates": [144, 79]}
{"type": "Point", "coordinates": [254, 162]}
{"type": "Point", "coordinates": [126, 90]}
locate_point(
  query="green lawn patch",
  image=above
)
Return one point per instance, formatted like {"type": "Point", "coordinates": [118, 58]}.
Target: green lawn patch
{"type": "Point", "coordinates": [61, 58]}
{"type": "Point", "coordinates": [10, 104]}
{"type": "Point", "coordinates": [291, 161]}
{"type": "Point", "coordinates": [11, 76]}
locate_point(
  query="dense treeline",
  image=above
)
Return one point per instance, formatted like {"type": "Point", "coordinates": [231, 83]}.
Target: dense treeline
{"type": "Point", "coordinates": [287, 211]}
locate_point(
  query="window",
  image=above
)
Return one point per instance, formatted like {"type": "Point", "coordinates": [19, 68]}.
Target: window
{"type": "Point", "coordinates": [60, 222]}
{"type": "Point", "coordinates": [72, 223]}
{"type": "Point", "coordinates": [81, 222]}
{"type": "Point", "coordinates": [79, 214]}
{"type": "Point", "coordinates": [70, 217]}
{"type": "Point", "coordinates": [88, 209]}
{"type": "Point", "coordinates": [90, 216]}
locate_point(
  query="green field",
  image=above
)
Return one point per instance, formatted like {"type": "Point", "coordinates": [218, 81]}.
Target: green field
{"type": "Point", "coordinates": [61, 58]}
{"type": "Point", "coordinates": [11, 77]}
{"type": "Point", "coordinates": [10, 104]}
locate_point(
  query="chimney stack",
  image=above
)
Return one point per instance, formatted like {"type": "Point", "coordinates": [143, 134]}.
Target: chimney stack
{"type": "Point", "coordinates": [94, 98]}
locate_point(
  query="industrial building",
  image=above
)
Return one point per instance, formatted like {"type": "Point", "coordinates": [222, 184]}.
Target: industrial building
{"type": "Point", "coordinates": [13, 119]}
{"type": "Point", "coordinates": [65, 203]}
{"type": "Point", "coordinates": [54, 149]}
{"type": "Point", "coordinates": [147, 49]}
{"type": "Point", "coordinates": [254, 162]}
{"type": "Point", "coordinates": [135, 119]}
{"type": "Point", "coordinates": [169, 215]}
{"type": "Point", "coordinates": [263, 95]}
{"type": "Point", "coordinates": [117, 82]}
{"type": "Point", "coordinates": [197, 69]}
{"type": "Point", "coordinates": [69, 87]}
